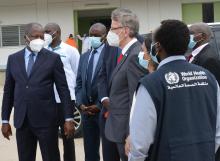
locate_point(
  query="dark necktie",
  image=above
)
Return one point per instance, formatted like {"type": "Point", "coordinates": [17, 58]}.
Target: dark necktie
{"type": "Point", "coordinates": [30, 63]}
{"type": "Point", "coordinates": [89, 74]}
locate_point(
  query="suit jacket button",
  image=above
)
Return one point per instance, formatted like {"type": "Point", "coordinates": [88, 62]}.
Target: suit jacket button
{"type": "Point", "coordinates": [27, 87]}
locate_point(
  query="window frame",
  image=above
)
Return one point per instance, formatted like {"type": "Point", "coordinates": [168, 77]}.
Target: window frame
{"type": "Point", "coordinates": [19, 35]}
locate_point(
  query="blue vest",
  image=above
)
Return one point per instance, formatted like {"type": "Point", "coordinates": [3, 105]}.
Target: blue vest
{"type": "Point", "coordinates": [185, 97]}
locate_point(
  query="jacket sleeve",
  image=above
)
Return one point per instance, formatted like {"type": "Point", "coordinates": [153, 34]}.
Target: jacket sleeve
{"type": "Point", "coordinates": [78, 89]}
{"type": "Point", "coordinates": [62, 88]}
{"type": "Point", "coordinates": [213, 65]}
{"type": "Point", "coordinates": [8, 96]}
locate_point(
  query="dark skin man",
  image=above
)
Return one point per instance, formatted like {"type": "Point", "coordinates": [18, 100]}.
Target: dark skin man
{"type": "Point", "coordinates": [34, 33]}
{"type": "Point", "coordinates": [97, 30]}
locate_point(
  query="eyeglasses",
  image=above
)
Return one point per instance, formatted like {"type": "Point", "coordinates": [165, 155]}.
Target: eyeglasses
{"type": "Point", "coordinates": [112, 29]}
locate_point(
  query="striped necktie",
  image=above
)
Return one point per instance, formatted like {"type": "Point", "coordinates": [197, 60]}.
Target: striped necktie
{"type": "Point", "coordinates": [30, 63]}
{"type": "Point", "coordinates": [120, 58]}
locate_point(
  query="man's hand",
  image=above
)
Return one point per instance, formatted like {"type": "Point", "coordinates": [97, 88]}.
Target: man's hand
{"type": "Point", "coordinates": [93, 109]}
{"type": "Point", "coordinates": [85, 110]}
{"type": "Point", "coordinates": [106, 103]}
{"type": "Point", "coordinates": [6, 130]}
{"type": "Point", "coordinates": [127, 145]}
{"type": "Point", "coordinates": [69, 129]}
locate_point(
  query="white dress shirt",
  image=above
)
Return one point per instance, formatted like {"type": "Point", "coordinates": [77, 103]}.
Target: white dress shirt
{"type": "Point", "coordinates": [143, 116]}
{"type": "Point", "coordinates": [124, 50]}
{"type": "Point", "coordinates": [196, 52]}
{"type": "Point", "coordinates": [96, 58]}
{"type": "Point", "coordinates": [70, 58]}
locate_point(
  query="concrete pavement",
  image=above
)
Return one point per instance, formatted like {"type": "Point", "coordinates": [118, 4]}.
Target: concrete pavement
{"type": "Point", "coordinates": [8, 149]}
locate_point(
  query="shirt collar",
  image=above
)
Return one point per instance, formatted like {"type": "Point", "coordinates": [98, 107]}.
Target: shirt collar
{"type": "Point", "coordinates": [128, 45]}
{"type": "Point", "coordinates": [171, 58]}
{"type": "Point", "coordinates": [99, 49]}
{"type": "Point", "coordinates": [57, 47]}
{"type": "Point", "coordinates": [28, 52]}
{"type": "Point", "coordinates": [197, 50]}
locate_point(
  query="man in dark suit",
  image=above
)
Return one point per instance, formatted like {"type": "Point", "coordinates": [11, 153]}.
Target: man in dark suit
{"type": "Point", "coordinates": [30, 77]}
{"type": "Point", "coordinates": [203, 53]}
{"type": "Point", "coordinates": [124, 78]}
{"type": "Point", "coordinates": [87, 91]}
{"type": "Point", "coordinates": [109, 149]}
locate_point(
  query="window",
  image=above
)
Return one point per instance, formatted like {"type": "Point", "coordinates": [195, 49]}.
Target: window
{"type": "Point", "coordinates": [200, 12]}
{"type": "Point", "coordinates": [12, 35]}
{"type": "Point", "coordinates": [208, 12]}
{"type": "Point", "coordinates": [217, 37]}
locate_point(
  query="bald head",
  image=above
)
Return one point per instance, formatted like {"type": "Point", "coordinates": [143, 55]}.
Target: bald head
{"type": "Point", "coordinates": [97, 29]}
{"type": "Point", "coordinates": [54, 30]}
{"type": "Point", "coordinates": [53, 26]}
{"type": "Point", "coordinates": [202, 28]}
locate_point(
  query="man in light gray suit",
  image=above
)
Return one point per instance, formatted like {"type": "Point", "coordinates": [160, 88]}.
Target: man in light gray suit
{"type": "Point", "coordinates": [125, 76]}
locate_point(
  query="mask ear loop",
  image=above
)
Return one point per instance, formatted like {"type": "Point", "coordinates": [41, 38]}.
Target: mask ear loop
{"type": "Point", "coordinates": [120, 33]}
{"type": "Point", "coordinates": [53, 34]}
{"type": "Point", "coordinates": [158, 50]}
{"type": "Point", "coordinates": [28, 40]}
{"type": "Point", "coordinates": [197, 36]}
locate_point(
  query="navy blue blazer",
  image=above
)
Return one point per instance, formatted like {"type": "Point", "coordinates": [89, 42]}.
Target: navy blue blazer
{"type": "Point", "coordinates": [80, 90]}
{"type": "Point", "coordinates": [33, 97]}
{"type": "Point", "coordinates": [109, 63]}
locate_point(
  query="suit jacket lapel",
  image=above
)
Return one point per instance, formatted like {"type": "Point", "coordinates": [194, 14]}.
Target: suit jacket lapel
{"type": "Point", "coordinates": [21, 62]}
{"type": "Point", "coordinates": [121, 63]}
{"type": "Point", "coordinates": [85, 64]}
{"type": "Point", "coordinates": [200, 54]}
{"type": "Point", "coordinates": [39, 60]}
{"type": "Point", "coordinates": [99, 64]}
{"type": "Point", "coordinates": [117, 68]}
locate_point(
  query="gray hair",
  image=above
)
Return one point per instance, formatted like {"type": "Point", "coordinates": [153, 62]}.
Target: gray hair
{"type": "Point", "coordinates": [203, 28]}
{"type": "Point", "coordinates": [29, 27]}
{"type": "Point", "coordinates": [128, 19]}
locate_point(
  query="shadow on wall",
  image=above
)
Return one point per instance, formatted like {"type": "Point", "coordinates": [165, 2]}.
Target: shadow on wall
{"type": "Point", "coordinates": [2, 78]}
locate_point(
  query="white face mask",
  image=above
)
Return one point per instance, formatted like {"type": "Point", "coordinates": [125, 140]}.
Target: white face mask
{"type": "Point", "coordinates": [48, 40]}
{"type": "Point", "coordinates": [113, 39]}
{"type": "Point", "coordinates": [36, 45]}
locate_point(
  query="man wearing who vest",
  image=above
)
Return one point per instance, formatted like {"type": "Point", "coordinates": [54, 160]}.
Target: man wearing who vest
{"type": "Point", "coordinates": [124, 78]}
{"type": "Point", "coordinates": [178, 119]}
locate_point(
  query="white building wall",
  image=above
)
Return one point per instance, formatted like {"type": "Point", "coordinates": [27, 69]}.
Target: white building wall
{"type": "Point", "coordinates": [150, 13]}
{"type": "Point", "coordinates": [62, 14]}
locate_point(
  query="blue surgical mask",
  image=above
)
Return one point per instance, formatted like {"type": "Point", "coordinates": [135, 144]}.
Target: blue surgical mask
{"type": "Point", "coordinates": [144, 63]}
{"type": "Point", "coordinates": [153, 53]}
{"type": "Point", "coordinates": [192, 42]}
{"type": "Point", "coordinates": [95, 42]}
